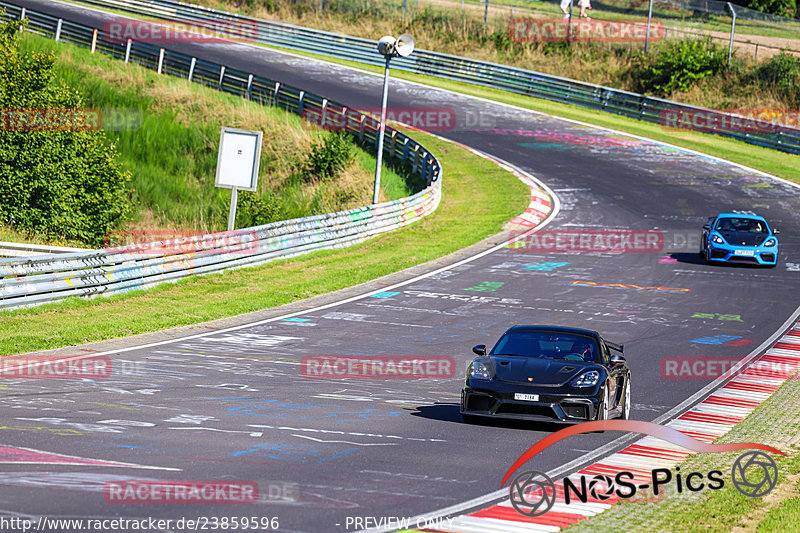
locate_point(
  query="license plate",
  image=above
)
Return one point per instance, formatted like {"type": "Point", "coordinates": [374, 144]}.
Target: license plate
{"type": "Point", "coordinates": [744, 252]}
{"type": "Point", "coordinates": [526, 397]}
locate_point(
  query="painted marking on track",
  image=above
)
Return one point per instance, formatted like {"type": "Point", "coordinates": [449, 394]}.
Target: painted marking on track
{"type": "Point", "coordinates": [336, 432]}
{"type": "Point", "coordinates": [296, 319]}
{"type": "Point", "coordinates": [385, 294]}
{"type": "Point", "coordinates": [717, 339]}
{"type": "Point", "coordinates": [189, 419]}
{"type": "Point", "coordinates": [31, 456]}
{"type": "Point", "coordinates": [250, 433]}
{"type": "Point", "coordinates": [486, 286]}
{"type": "Point", "coordinates": [345, 441]}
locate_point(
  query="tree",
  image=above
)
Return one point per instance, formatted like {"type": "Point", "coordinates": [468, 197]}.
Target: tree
{"type": "Point", "coordinates": [60, 176]}
{"type": "Point", "coordinates": [783, 8]}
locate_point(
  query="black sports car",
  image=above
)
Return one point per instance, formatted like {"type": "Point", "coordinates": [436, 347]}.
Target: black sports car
{"type": "Point", "coordinates": [548, 373]}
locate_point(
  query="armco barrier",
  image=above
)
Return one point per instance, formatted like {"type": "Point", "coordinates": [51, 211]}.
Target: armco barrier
{"type": "Point", "coordinates": [633, 105]}
{"type": "Point", "coordinates": [50, 278]}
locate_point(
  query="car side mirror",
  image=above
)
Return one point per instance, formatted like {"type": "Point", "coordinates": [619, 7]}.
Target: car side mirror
{"type": "Point", "coordinates": [706, 227]}
{"type": "Point", "coordinates": [480, 349]}
{"type": "Point", "coordinates": [776, 231]}
{"type": "Point", "coordinates": [617, 359]}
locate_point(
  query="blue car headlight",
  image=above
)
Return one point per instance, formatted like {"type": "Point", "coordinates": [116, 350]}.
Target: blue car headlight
{"type": "Point", "coordinates": [717, 239]}
{"type": "Point", "coordinates": [478, 370]}
{"type": "Point", "coordinates": [587, 379]}
{"type": "Point", "coordinates": [770, 242]}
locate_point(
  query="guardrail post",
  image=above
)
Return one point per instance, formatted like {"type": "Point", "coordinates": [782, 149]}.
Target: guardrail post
{"type": "Point", "coordinates": [128, 51]}
{"type": "Point", "coordinates": [275, 94]}
{"type": "Point", "coordinates": [22, 14]}
{"type": "Point", "coordinates": [405, 148]}
{"type": "Point", "coordinates": [250, 87]}
{"type": "Point", "coordinates": [58, 29]}
{"type": "Point", "coordinates": [94, 40]}
{"type": "Point", "coordinates": [300, 103]}
{"type": "Point", "coordinates": [361, 124]}
{"type": "Point", "coordinates": [160, 60]}
{"type": "Point", "coordinates": [733, 31]}
{"type": "Point", "coordinates": [221, 76]}
{"type": "Point", "coordinates": [191, 68]}
{"type": "Point", "coordinates": [323, 112]}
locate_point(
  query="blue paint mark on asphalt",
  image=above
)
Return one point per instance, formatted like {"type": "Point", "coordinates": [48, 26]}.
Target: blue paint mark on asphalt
{"type": "Point", "coordinates": [294, 319]}
{"type": "Point", "coordinates": [297, 453]}
{"type": "Point", "coordinates": [277, 410]}
{"type": "Point", "coordinates": [545, 267]}
{"type": "Point", "coordinates": [385, 294]}
{"type": "Point", "coordinates": [719, 339]}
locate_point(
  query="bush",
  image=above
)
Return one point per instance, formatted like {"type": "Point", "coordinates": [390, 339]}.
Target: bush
{"type": "Point", "coordinates": [678, 66]}
{"type": "Point", "coordinates": [781, 73]}
{"type": "Point", "coordinates": [254, 210]}
{"type": "Point", "coordinates": [329, 157]}
{"type": "Point", "coordinates": [783, 8]}
{"type": "Point", "coordinates": [57, 183]}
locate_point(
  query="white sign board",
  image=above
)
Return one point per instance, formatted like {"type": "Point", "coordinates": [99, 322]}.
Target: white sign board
{"type": "Point", "coordinates": [238, 159]}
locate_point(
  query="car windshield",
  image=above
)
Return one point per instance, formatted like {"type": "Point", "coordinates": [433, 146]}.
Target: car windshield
{"type": "Point", "coordinates": [745, 225]}
{"type": "Point", "coordinates": [545, 344]}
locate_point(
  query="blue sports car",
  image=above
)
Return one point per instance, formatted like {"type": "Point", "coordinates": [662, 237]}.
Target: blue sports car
{"type": "Point", "coordinates": [740, 237]}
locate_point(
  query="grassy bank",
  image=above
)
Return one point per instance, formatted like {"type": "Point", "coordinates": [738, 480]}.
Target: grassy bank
{"type": "Point", "coordinates": [479, 197]}
{"type": "Point", "coordinates": [167, 133]}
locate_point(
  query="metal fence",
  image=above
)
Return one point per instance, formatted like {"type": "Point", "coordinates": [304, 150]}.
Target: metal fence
{"type": "Point", "coordinates": [655, 110]}
{"type": "Point", "coordinates": [50, 278]}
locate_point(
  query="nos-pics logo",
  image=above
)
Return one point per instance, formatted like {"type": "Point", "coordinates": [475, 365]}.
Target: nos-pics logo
{"type": "Point", "coordinates": [533, 493]}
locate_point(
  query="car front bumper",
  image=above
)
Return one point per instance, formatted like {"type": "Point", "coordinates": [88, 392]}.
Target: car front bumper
{"type": "Point", "coordinates": [550, 407]}
{"type": "Point", "coordinates": [759, 256]}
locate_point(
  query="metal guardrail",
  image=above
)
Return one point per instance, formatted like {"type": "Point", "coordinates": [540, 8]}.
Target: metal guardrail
{"type": "Point", "coordinates": [50, 278]}
{"type": "Point", "coordinates": [23, 249]}
{"type": "Point", "coordinates": [526, 82]}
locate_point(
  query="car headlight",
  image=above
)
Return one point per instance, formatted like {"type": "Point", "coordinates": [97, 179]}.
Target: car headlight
{"type": "Point", "coordinates": [717, 239]}
{"type": "Point", "coordinates": [587, 379]}
{"type": "Point", "coordinates": [479, 371]}
{"type": "Point", "coordinates": [770, 242]}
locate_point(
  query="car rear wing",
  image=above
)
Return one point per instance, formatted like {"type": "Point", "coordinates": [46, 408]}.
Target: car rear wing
{"type": "Point", "coordinates": [616, 347]}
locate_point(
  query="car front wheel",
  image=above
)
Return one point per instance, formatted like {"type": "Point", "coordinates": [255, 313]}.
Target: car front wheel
{"type": "Point", "coordinates": [626, 401]}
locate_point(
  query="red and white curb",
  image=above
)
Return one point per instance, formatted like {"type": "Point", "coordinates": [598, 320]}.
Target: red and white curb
{"type": "Point", "coordinates": [537, 210]}
{"type": "Point", "coordinates": [710, 419]}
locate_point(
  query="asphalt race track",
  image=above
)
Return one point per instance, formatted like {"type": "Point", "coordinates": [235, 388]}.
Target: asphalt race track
{"type": "Point", "coordinates": [234, 405]}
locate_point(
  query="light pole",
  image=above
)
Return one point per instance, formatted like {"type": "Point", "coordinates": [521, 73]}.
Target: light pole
{"type": "Point", "coordinates": [389, 47]}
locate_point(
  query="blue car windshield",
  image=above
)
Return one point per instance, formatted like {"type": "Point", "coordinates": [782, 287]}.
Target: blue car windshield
{"type": "Point", "coordinates": [545, 344]}
{"type": "Point", "coordinates": [744, 225]}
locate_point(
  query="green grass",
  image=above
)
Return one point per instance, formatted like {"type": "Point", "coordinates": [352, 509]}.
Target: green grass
{"type": "Point", "coordinates": [170, 147]}
{"type": "Point", "coordinates": [479, 197]}
{"type": "Point", "coordinates": [785, 517]}
{"type": "Point", "coordinates": [780, 164]}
